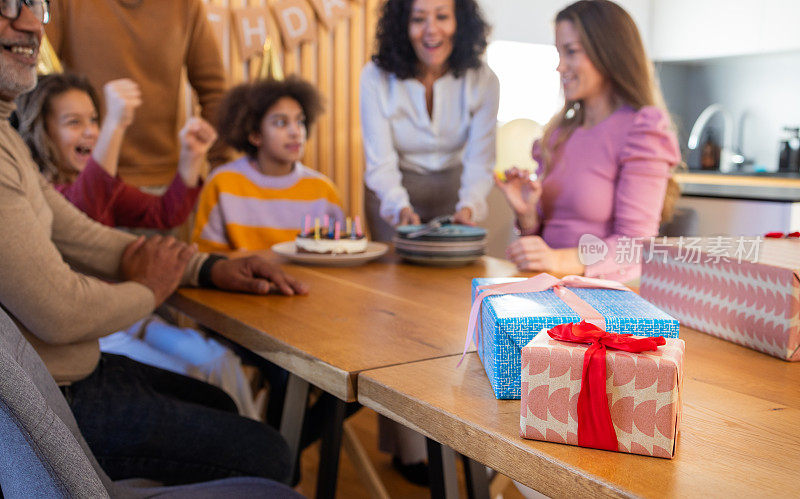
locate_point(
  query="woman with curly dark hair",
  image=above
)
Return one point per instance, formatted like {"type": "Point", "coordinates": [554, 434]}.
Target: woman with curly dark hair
{"type": "Point", "coordinates": [428, 115]}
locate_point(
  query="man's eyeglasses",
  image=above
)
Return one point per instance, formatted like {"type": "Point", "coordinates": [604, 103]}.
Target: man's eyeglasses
{"type": "Point", "coordinates": [10, 9]}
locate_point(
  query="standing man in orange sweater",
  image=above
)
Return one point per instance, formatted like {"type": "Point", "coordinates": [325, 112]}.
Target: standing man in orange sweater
{"type": "Point", "coordinates": [151, 42]}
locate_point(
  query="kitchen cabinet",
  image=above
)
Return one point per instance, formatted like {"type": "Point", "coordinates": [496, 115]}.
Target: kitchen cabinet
{"type": "Point", "coordinates": [702, 29]}
{"type": "Point", "coordinates": [741, 217]}
{"type": "Point", "coordinates": [739, 205]}
{"type": "Point", "coordinates": [779, 25]}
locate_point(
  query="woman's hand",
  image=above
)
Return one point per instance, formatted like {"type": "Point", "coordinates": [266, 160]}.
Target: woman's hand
{"type": "Point", "coordinates": [196, 138]}
{"type": "Point", "coordinates": [408, 217]}
{"type": "Point", "coordinates": [122, 98]}
{"type": "Point", "coordinates": [463, 216]}
{"type": "Point", "coordinates": [532, 254]}
{"type": "Point", "coordinates": [522, 191]}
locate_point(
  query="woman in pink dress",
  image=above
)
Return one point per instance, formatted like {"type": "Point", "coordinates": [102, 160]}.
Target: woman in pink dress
{"type": "Point", "coordinates": [605, 158]}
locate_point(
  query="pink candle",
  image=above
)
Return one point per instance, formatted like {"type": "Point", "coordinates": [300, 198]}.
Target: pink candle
{"type": "Point", "coordinates": [307, 225]}
{"type": "Point", "coordinates": [359, 233]}
{"type": "Point", "coordinates": [336, 230]}
{"type": "Point", "coordinates": [325, 223]}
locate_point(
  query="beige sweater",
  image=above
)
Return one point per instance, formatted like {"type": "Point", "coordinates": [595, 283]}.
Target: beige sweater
{"type": "Point", "coordinates": [151, 42]}
{"type": "Point", "coordinates": [47, 245]}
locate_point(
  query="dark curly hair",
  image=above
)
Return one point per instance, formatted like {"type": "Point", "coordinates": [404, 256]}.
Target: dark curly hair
{"type": "Point", "coordinates": [245, 105]}
{"type": "Point", "coordinates": [394, 53]}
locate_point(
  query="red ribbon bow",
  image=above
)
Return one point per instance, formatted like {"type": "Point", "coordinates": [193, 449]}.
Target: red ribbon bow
{"type": "Point", "coordinates": [595, 428]}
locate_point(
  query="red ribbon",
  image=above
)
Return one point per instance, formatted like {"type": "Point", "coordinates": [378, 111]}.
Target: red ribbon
{"type": "Point", "coordinates": [595, 428]}
{"type": "Point", "coordinates": [781, 235]}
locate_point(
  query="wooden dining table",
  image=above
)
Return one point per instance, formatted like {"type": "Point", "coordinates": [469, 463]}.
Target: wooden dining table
{"type": "Point", "coordinates": [739, 435]}
{"type": "Point", "coordinates": [354, 319]}
{"type": "Point", "coordinates": [389, 335]}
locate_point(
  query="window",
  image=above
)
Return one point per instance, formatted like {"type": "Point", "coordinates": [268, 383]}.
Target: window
{"type": "Point", "coordinates": [530, 86]}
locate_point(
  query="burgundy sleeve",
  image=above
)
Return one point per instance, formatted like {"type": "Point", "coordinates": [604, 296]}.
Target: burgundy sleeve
{"type": "Point", "coordinates": [134, 208]}
{"type": "Point", "coordinates": [93, 192]}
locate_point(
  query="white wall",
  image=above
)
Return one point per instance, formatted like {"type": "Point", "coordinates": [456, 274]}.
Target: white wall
{"type": "Point", "coordinates": [531, 21]}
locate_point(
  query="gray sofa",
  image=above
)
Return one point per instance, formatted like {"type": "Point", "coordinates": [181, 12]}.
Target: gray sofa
{"type": "Point", "coordinates": [43, 454]}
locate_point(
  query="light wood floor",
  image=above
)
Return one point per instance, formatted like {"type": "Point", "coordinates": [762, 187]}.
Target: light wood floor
{"type": "Point", "coordinates": [365, 425]}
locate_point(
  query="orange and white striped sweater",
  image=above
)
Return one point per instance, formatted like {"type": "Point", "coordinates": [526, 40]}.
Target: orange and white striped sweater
{"type": "Point", "coordinates": [241, 208]}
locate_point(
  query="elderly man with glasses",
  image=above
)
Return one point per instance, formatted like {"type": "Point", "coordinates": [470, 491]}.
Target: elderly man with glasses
{"type": "Point", "coordinates": [140, 421]}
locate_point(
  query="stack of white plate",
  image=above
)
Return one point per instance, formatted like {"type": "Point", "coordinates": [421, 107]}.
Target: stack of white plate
{"type": "Point", "coordinates": [448, 245]}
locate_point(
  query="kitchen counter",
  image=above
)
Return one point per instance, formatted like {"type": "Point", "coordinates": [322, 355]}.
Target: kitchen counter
{"type": "Point", "coordinates": [780, 187]}
{"type": "Point", "coordinates": [726, 204]}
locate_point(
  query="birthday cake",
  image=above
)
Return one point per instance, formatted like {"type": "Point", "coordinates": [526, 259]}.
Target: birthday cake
{"type": "Point", "coordinates": [329, 238]}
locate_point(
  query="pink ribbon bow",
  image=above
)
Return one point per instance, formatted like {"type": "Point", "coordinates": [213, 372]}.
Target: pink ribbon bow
{"type": "Point", "coordinates": [542, 282]}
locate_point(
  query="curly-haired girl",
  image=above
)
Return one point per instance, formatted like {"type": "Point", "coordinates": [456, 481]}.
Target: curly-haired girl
{"type": "Point", "coordinates": [260, 199]}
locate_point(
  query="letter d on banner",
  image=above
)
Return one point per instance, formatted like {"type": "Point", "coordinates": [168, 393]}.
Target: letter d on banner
{"type": "Point", "coordinates": [330, 11]}
{"type": "Point", "coordinates": [297, 22]}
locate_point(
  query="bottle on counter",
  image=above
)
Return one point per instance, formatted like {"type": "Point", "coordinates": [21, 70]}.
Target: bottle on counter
{"type": "Point", "coordinates": [709, 154]}
{"type": "Point", "coordinates": [789, 160]}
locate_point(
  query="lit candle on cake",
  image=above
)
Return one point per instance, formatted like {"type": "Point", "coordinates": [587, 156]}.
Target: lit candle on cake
{"type": "Point", "coordinates": [358, 227]}
{"type": "Point", "coordinates": [331, 229]}
{"type": "Point", "coordinates": [336, 230]}
{"type": "Point", "coordinates": [325, 221]}
{"type": "Point", "coordinates": [307, 226]}
{"type": "Point", "coordinates": [316, 228]}
{"type": "Point", "coordinates": [348, 225]}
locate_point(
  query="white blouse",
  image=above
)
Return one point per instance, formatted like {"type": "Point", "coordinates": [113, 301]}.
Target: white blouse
{"type": "Point", "coordinates": [400, 135]}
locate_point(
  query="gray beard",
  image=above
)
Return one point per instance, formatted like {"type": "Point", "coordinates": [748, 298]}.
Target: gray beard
{"type": "Point", "coordinates": [12, 85]}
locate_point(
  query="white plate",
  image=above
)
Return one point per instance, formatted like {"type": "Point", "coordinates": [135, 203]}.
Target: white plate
{"type": "Point", "coordinates": [288, 250]}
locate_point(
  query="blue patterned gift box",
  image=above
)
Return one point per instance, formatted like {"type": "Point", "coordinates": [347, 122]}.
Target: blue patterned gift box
{"type": "Point", "coordinates": [508, 322]}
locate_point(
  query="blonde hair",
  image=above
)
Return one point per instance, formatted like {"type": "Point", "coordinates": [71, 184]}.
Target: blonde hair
{"type": "Point", "coordinates": [612, 43]}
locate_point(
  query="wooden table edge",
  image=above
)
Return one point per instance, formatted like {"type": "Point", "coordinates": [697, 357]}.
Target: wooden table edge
{"type": "Point", "coordinates": [556, 475]}
{"type": "Point", "coordinates": [335, 381]}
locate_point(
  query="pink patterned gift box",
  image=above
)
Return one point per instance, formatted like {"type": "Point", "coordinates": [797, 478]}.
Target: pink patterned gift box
{"type": "Point", "coordinates": [748, 297]}
{"type": "Point", "coordinates": [643, 392]}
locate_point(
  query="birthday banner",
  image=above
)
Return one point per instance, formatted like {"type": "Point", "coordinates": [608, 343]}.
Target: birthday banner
{"type": "Point", "coordinates": [297, 22]}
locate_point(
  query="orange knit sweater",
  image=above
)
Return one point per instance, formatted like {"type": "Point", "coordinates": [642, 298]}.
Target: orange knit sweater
{"type": "Point", "coordinates": [151, 42]}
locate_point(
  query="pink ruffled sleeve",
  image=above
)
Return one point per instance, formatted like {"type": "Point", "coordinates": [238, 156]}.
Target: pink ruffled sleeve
{"type": "Point", "coordinates": [645, 160]}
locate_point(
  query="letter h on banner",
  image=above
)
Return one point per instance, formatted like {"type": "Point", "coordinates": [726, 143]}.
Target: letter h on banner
{"type": "Point", "coordinates": [251, 29]}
